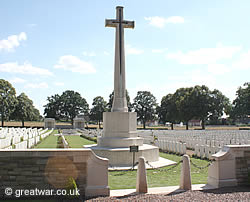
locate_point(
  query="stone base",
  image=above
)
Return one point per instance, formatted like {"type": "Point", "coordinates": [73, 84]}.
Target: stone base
{"type": "Point", "coordinates": [119, 142]}
{"type": "Point", "coordinates": [122, 157]}
{"type": "Point", "coordinates": [119, 130]}
{"type": "Point", "coordinates": [221, 183]}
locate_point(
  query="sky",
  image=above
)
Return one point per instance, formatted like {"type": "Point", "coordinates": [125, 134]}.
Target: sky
{"type": "Point", "coordinates": [49, 46]}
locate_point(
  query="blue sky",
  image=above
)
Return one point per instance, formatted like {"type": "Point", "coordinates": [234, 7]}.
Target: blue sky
{"type": "Point", "coordinates": [49, 46]}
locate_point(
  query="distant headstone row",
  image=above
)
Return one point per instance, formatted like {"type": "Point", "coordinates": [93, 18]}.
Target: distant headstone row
{"type": "Point", "coordinates": [21, 138]}
{"type": "Point", "coordinates": [203, 143]}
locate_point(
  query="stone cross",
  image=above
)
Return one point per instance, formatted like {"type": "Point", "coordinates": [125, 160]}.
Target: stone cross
{"type": "Point", "coordinates": [119, 100]}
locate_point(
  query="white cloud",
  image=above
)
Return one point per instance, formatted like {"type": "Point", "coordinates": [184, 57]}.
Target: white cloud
{"type": "Point", "coordinates": [12, 42]}
{"type": "Point", "coordinates": [133, 51]}
{"type": "Point", "coordinates": [89, 54]}
{"type": "Point", "coordinates": [58, 83]}
{"type": "Point", "coordinates": [160, 22]}
{"type": "Point", "coordinates": [205, 55]}
{"type": "Point", "coordinates": [218, 69]}
{"type": "Point", "coordinates": [106, 53]}
{"type": "Point", "coordinates": [26, 68]}
{"type": "Point", "coordinates": [243, 62]}
{"type": "Point", "coordinates": [17, 80]}
{"type": "Point", "coordinates": [74, 64]}
{"type": "Point", "coordinates": [37, 85]}
{"type": "Point", "coordinates": [159, 50]}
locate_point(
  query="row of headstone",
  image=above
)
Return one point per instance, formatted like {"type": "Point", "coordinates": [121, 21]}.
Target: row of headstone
{"type": "Point", "coordinates": [172, 146]}
{"type": "Point", "coordinates": [21, 138]}
{"type": "Point", "coordinates": [91, 132]}
{"type": "Point", "coordinates": [191, 138]}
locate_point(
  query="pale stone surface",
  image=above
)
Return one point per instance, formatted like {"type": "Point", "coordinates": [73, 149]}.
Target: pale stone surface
{"type": "Point", "coordinates": [185, 173]}
{"type": "Point", "coordinates": [222, 172]}
{"type": "Point", "coordinates": [49, 123]}
{"type": "Point", "coordinates": [78, 123]}
{"type": "Point", "coordinates": [120, 157]}
{"type": "Point", "coordinates": [119, 125]}
{"type": "Point", "coordinates": [52, 168]}
{"type": "Point", "coordinates": [141, 181]}
{"type": "Point", "coordinates": [119, 101]}
{"type": "Point", "coordinates": [119, 130]}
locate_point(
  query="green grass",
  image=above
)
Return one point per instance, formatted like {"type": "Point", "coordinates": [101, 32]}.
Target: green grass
{"type": "Point", "coordinates": [76, 141]}
{"type": "Point", "coordinates": [157, 178]}
{"type": "Point", "coordinates": [49, 142]}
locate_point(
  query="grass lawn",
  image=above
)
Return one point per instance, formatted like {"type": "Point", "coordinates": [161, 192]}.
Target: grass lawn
{"type": "Point", "coordinates": [157, 178]}
{"type": "Point", "coordinates": [76, 141]}
{"type": "Point", "coordinates": [48, 142]}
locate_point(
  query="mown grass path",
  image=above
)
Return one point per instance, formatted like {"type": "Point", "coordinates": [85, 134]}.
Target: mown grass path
{"type": "Point", "coordinates": [76, 141]}
{"type": "Point", "coordinates": [48, 142]}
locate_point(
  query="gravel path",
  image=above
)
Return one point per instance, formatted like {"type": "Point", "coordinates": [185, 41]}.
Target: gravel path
{"type": "Point", "coordinates": [222, 194]}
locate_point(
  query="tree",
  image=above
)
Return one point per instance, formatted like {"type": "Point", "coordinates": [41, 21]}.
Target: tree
{"type": "Point", "coordinates": [202, 102]}
{"type": "Point", "coordinates": [73, 104]}
{"type": "Point", "coordinates": [220, 104]}
{"type": "Point", "coordinates": [145, 106]}
{"type": "Point", "coordinates": [241, 105]}
{"type": "Point", "coordinates": [25, 110]}
{"type": "Point", "coordinates": [110, 102]}
{"type": "Point", "coordinates": [184, 104]}
{"type": "Point", "coordinates": [8, 99]}
{"type": "Point", "coordinates": [167, 111]}
{"type": "Point", "coordinates": [99, 106]}
{"type": "Point", "coordinates": [53, 108]}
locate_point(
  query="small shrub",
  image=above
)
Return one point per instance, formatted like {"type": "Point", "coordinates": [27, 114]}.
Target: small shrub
{"type": "Point", "coordinates": [94, 139]}
{"type": "Point", "coordinates": [71, 188]}
{"type": "Point", "coordinates": [60, 142]}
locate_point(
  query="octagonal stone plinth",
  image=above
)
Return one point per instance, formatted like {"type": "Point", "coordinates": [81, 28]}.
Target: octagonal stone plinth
{"type": "Point", "coordinates": [119, 130]}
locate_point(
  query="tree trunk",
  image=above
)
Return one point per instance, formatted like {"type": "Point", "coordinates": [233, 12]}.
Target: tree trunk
{"type": "Point", "coordinates": [22, 123]}
{"type": "Point", "coordinates": [203, 124]}
{"type": "Point", "coordinates": [172, 126]}
{"type": "Point", "coordinates": [144, 124]}
{"type": "Point", "coordinates": [99, 122]}
{"type": "Point", "coordinates": [72, 121]}
{"type": "Point", "coordinates": [2, 120]}
{"type": "Point", "coordinates": [187, 125]}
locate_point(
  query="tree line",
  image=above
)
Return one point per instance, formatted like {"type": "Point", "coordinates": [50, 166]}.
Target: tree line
{"type": "Point", "coordinates": [13, 107]}
{"type": "Point", "coordinates": [198, 102]}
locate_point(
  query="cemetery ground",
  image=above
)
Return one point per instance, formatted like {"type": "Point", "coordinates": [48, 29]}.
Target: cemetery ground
{"type": "Point", "coordinates": [38, 124]}
{"type": "Point", "coordinates": [156, 177]}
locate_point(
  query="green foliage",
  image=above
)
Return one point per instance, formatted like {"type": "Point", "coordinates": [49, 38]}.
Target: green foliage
{"type": "Point", "coordinates": [53, 107]}
{"type": "Point", "coordinates": [71, 187]}
{"type": "Point", "coordinates": [167, 111]}
{"type": "Point", "coordinates": [99, 106]}
{"type": "Point", "coordinates": [66, 106]}
{"type": "Point", "coordinates": [145, 106]}
{"type": "Point", "coordinates": [241, 105]}
{"type": "Point", "coordinates": [60, 142]}
{"type": "Point", "coordinates": [8, 100]}
{"type": "Point", "coordinates": [25, 110]}
{"type": "Point", "coordinates": [196, 102]}
{"type": "Point", "coordinates": [110, 103]}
